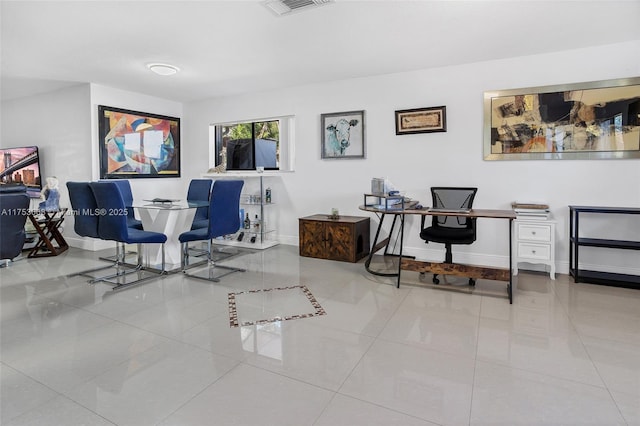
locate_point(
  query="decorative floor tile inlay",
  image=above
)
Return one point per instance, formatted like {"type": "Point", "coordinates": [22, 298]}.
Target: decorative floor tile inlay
{"type": "Point", "coordinates": [233, 302]}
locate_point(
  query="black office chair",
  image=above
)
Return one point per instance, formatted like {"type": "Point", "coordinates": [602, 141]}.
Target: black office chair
{"type": "Point", "coordinates": [450, 230]}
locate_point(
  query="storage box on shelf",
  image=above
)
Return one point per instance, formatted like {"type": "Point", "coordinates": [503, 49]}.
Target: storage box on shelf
{"type": "Point", "coordinates": [260, 233]}
{"type": "Point", "coordinates": [388, 202]}
{"type": "Point", "coordinates": [384, 201]}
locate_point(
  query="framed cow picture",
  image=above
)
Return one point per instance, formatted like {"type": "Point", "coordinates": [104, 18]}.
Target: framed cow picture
{"type": "Point", "coordinates": [342, 135]}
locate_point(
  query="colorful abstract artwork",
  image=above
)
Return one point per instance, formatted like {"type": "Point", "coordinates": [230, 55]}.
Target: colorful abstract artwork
{"type": "Point", "coordinates": [138, 145]}
{"type": "Point", "coordinates": [597, 120]}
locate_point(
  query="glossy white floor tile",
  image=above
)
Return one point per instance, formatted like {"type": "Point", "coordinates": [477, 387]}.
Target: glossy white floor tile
{"type": "Point", "coordinates": [20, 394]}
{"type": "Point", "coordinates": [427, 384]}
{"type": "Point", "coordinates": [438, 320]}
{"type": "Point", "coordinates": [167, 353]}
{"type": "Point", "coordinates": [252, 396]}
{"type": "Point", "coordinates": [309, 352]}
{"type": "Point", "coordinates": [60, 411]}
{"type": "Point", "coordinates": [504, 395]}
{"type": "Point", "coordinates": [152, 384]}
{"type": "Point", "coordinates": [347, 411]}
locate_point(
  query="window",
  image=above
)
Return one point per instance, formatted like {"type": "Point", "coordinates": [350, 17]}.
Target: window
{"type": "Point", "coordinates": [251, 144]}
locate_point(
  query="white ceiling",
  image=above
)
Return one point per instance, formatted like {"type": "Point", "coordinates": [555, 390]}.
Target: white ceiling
{"type": "Point", "coordinates": [231, 47]}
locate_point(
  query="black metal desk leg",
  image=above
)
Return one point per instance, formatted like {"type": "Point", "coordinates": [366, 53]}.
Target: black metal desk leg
{"type": "Point", "coordinates": [510, 289]}
{"type": "Point", "coordinates": [375, 242]}
{"type": "Point", "coordinates": [401, 244]}
{"type": "Point", "coordinates": [393, 225]}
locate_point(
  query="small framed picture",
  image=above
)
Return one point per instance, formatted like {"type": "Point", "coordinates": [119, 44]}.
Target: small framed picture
{"type": "Point", "coordinates": [421, 120]}
{"type": "Point", "coordinates": [342, 135]}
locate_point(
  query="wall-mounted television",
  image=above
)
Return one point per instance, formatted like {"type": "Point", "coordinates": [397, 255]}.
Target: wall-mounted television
{"type": "Point", "coordinates": [21, 166]}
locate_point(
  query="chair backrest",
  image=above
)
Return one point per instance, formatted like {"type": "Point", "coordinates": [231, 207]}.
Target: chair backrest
{"type": "Point", "coordinates": [85, 209]}
{"type": "Point", "coordinates": [112, 222]}
{"type": "Point", "coordinates": [14, 203]}
{"type": "Point", "coordinates": [127, 196]}
{"type": "Point", "coordinates": [200, 190]}
{"type": "Point", "coordinates": [224, 207]}
{"type": "Point", "coordinates": [452, 198]}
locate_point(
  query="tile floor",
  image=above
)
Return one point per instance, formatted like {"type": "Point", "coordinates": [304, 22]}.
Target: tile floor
{"type": "Point", "coordinates": [166, 352]}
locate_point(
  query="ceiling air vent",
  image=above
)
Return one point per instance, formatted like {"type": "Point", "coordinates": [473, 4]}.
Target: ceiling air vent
{"type": "Point", "coordinates": [284, 7]}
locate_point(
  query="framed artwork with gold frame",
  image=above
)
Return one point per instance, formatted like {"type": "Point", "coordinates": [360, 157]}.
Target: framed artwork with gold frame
{"type": "Point", "coordinates": [593, 120]}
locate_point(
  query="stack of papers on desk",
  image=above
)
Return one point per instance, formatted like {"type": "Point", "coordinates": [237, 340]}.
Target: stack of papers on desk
{"type": "Point", "coordinates": [536, 211]}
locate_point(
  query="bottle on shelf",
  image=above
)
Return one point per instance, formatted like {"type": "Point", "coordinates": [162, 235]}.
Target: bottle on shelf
{"type": "Point", "coordinates": [267, 196]}
{"type": "Point", "coordinates": [247, 222]}
{"type": "Point", "coordinates": [256, 224]}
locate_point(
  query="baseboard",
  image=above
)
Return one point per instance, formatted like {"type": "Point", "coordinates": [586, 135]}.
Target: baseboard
{"type": "Point", "coordinates": [89, 244]}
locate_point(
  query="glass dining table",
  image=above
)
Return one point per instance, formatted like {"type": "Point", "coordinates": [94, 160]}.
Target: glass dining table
{"type": "Point", "coordinates": [172, 218]}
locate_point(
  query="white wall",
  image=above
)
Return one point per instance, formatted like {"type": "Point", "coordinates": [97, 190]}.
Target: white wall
{"type": "Point", "coordinates": [64, 125]}
{"type": "Point", "coordinates": [59, 123]}
{"type": "Point", "coordinates": [148, 187]}
{"type": "Point", "coordinates": [416, 162]}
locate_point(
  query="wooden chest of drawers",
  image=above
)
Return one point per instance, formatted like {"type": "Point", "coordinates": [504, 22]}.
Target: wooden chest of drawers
{"type": "Point", "coordinates": [345, 239]}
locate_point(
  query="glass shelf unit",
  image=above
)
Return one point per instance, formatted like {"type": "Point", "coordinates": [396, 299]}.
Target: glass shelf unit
{"type": "Point", "coordinates": [252, 201]}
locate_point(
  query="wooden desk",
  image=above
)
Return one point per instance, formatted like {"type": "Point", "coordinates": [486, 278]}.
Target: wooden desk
{"type": "Point", "coordinates": [480, 272]}
{"type": "Point", "coordinates": [48, 228]}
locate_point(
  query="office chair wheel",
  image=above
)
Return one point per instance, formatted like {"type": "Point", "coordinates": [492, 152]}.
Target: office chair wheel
{"type": "Point", "coordinates": [435, 279]}
{"type": "Point", "coordinates": [472, 282]}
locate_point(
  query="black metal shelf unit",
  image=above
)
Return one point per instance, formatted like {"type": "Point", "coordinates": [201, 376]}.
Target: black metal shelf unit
{"type": "Point", "coordinates": [575, 242]}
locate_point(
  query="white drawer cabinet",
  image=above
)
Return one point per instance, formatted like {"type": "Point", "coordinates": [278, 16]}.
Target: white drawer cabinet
{"type": "Point", "coordinates": [535, 243]}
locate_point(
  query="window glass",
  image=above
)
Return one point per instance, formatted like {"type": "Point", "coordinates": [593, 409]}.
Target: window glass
{"type": "Point", "coordinates": [251, 144]}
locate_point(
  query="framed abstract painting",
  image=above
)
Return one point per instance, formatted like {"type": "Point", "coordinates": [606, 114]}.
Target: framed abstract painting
{"type": "Point", "coordinates": [594, 120]}
{"type": "Point", "coordinates": [136, 144]}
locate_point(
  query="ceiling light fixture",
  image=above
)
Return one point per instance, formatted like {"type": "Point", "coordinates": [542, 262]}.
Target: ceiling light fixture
{"type": "Point", "coordinates": [163, 69]}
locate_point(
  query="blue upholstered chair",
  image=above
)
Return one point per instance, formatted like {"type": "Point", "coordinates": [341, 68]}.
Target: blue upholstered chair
{"type": "Point", "coordinates": [112, 226]}
{"type": "Point", "coordinates": [85, 216]}
{"type": "Point", "coordinates": [224, 219]}
{"type": "Point", "coordinates": [200, 190]}
{"type": "Point", "coordinates": [127, 196]}
{"type": "Point", "coordinates": [14, 203]}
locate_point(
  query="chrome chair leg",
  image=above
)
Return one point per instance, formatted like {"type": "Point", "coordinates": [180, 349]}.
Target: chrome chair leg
{"type": "Point", "coordinates": [211, 265]}
{"type": "Point", "coordinates": [122, 268]}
